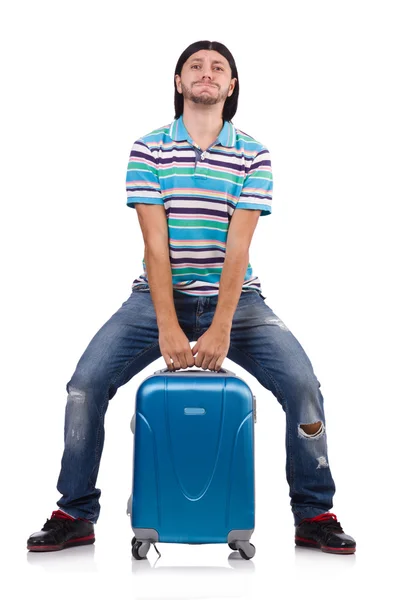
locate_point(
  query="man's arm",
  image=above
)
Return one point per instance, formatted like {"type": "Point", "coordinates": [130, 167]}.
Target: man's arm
{"type": "Point", "coordinates": [144, 194]}
{"type": "Point", "coordinates": [241, 230]}
{"type": "Point", "coordinates": [255, 200]}
{"type": "Point", "coordinates": [153, 223]}
{"type": "Point", "coordinates": [213, 346]}
{"type": "Point", "coordinates": [173, 341]}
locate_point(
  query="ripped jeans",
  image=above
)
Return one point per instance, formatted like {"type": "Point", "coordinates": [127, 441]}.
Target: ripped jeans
{"type": "Point", "coordinates": [260, 343]}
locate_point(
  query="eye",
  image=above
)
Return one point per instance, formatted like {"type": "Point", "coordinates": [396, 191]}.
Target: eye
{"type": "Point", "coordinates": [195, 66]}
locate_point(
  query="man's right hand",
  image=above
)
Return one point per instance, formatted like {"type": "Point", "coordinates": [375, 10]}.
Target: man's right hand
{"type": "Point", "coordinates": [175, 345]}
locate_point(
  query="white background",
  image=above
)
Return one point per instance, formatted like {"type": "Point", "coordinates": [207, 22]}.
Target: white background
{"type": "Point", "coordinates": [80, 82]}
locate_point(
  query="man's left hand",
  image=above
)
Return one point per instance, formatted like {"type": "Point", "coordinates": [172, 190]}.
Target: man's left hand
{"type": "Point", "coordinates": [212, 348]}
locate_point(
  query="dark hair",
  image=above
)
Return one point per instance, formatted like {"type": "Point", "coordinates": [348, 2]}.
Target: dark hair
{"type": "Point", "coordinates": [230, 106]}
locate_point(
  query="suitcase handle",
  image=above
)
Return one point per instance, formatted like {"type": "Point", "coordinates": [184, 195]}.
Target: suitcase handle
{"type": "Point", "coordinates": [221, 370]}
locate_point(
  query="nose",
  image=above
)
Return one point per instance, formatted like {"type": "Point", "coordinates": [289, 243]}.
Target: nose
{"type": "Point", "coordinates": [206, 79]}
{"type": "Point", "coordinates": [207, 74]}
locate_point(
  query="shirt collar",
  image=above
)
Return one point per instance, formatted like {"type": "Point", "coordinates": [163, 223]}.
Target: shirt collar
{"type": "Point", "coordinates": [226, 137]}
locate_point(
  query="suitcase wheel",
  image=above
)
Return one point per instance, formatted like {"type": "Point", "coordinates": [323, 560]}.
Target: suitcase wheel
{"type": "Point", "coordinates": [233, 546]}
{"type": "Point", "coordinates": [246, 549]}
{"type": "Point", "coordinates": [139, 549]}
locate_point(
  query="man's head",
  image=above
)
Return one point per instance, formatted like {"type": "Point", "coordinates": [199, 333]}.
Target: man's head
{"type": "Point", "coordinates": [206, 74]}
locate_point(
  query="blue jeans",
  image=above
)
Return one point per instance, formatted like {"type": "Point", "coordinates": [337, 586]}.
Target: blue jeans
{"type": "Point", "coordinates": [259, 342]}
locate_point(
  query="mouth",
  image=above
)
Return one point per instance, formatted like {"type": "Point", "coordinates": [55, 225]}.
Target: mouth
{"type": "Point", "coordinates": [205, 84]}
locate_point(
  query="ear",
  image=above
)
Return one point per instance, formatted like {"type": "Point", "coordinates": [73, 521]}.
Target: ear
{"type": "Point", "coordinates": [232, 86]}
{"type": "Point", "coordinates": [178, 83]}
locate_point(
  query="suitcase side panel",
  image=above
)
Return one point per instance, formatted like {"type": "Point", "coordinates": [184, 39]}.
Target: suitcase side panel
{"type": "Point", "coordinates": [145, 473]}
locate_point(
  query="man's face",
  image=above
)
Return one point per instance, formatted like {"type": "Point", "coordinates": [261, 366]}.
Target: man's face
{"type": "Point", "coordinates": [206, 78]}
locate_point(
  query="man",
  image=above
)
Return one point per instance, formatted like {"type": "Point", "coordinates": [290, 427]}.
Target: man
{"type": "Point", "coordinates": [199, 186]}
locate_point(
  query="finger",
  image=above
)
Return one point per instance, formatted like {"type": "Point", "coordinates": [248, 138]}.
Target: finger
{"type": "Point", "coordinates": [206, 361]}
{"type": "Point", "coordinates": [185, 357]}
{"type": "Point", "coordinates": [168, 361]}
{"type": "Point", "coordinates": [212, 364]}
{"type": "Point", "coordinates": [182, 360]}
{"type": "Point", "coordinates": [195, 348]}
{"type": "Point", "coordinates": [177, 364]}
{"type": "Point", "coordinates": [198, 359]}
{"type": "Point", "coordinates": [219, 363]}
{"type": "Point", "coordinates": [189, 359]}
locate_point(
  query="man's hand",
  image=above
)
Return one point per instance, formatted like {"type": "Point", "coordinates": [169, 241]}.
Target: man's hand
{"type": "Point", "coordinates": [212, 348]}
{"type": "Point", "coordinates": [175, 345]}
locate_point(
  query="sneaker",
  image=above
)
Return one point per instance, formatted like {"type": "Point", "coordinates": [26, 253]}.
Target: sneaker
{"type": "Point", "coordinates": [61, 531]}
{"type": "Point", "coordinates": [326, 533]}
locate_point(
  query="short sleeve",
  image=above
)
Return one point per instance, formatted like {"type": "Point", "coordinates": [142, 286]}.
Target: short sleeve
{"type": "Point", "coordinates": [142, 182]}
{"type": "Point", "coordinates": [258, 185]}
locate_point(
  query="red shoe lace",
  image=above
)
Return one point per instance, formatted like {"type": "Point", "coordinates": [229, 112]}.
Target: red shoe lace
{"type": "Point", "coordinates": [323, 517]}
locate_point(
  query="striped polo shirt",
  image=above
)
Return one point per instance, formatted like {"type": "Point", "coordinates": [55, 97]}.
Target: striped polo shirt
{"type": "Point", "coordinates": [200, 191]}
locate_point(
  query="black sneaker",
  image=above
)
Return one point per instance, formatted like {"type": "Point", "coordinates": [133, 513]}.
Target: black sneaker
{"type": "Point", "coordinates": [326, 533]}
{"type": "Point", "coordinates": [61, 531]}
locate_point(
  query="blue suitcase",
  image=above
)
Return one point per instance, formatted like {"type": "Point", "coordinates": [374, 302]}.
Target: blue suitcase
{"type": "Point", "coordinates": [193, 466]}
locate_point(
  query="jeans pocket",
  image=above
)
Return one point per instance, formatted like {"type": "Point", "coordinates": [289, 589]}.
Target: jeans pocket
{"type": "Point", "coordinates": [255, 291]}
